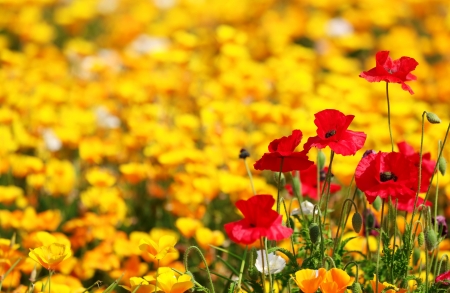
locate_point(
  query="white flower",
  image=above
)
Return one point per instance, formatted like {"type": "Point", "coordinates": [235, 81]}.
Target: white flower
{"type": "Point", "coordinates": [106, 119]}
{"type": "Point", "coordinates": [307, 208]}
{"type": "Point", "coordinates": [339, 27]}
{"type": "Point", "coordinates": [52, 142]}
{"type": "Point", "coordinates": [275, 265]}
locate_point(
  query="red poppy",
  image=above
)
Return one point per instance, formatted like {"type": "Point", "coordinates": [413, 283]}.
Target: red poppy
{"type": "Point", "coordinates": [444, 279]}
{"type": "Point", "coordinates": [388, 70]}
{"type": "Point", "coordinates": [308, 178]}
{"type": "Point", "coordinates": [283, 148]}
{"type": "Point", "coordinates": [387, 174]}
{"type": "Point", "coordinates": [427, 164]}
{"type": "Point", "coordinates": [332, 131]}
{"type": "Point", "coordinates": [259, 221]}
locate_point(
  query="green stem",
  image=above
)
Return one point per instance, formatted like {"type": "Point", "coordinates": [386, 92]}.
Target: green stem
{"type": "Point", "coordinates": [186, 266]}
{"type": "Point", "coordinates": [420, 169]}
{"type": "Point", "coordinates": [279, 182]}
{"type": "Point", "coordinates": [268, 265]}
{"type": "Point", "coordinates": [437, 192]}
{"type": "Point", "coordinates": [389, 115]}
{"type": "Point", "coordinates": [8, 272]}
{"type": "Point", "coordinates": [241, 271]}
{"type": "Point", "coordinates": [427, 271]}
{"type": "Point", "coordinates": [263, 275]}
{"type": "Point", "coordinates": [378, 248]}
{"type": "Point", "coordinates": [344, 205]}
{"type": "Point", "coordinates": [250, 176]}
{"type": "Point", "coordinates": [328, 183]}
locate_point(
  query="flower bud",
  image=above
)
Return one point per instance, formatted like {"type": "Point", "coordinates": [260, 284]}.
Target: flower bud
{"type": "Point", "coordinates": [314, 232]}
{"type": "Point", "coordinates": [320, 160]}
{"type": "Point", "coordinates": [421, 238]}
{"type": "Point", "coordinates": [370, 221]}
{"type": "Point", "coordinates": [356, 288]}
{"type": "Point", "coordinates": [33, 275]}
{"type": "Point", "coordinates": [243, 154]}
{"type": "Point", "coordinates": [377, 203]}
{"type": "Point", "coordinates": [442, 165]}
{"type": "Point", "coordinates": [253, 274]}
{"type": "Point", "coordinates": [282, 179]}
{"type": "Point", "coordinates": [416, 255]}
{"type": "Point", "coordinates": [430, 239]}
{"type": "Point", "coordinates": [357, 222]}
{"type": "Point", "coordinates": [433, 118]}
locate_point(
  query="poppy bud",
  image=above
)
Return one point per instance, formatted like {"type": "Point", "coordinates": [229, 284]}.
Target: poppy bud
{"type": "Point", "coordinates": [356, 288]}
{"type": "Point", "coordinates": [430, 239]}
{"type": "Point", "coordinates": [13, 241]}
{"type": "Point", "coordinates": [243, 154]}
{"type": "Point", "coordinates": [33, 275]}
{"type": "Point", "coordinates": [377, 203]}
{"type": "Point", "coordinates": [416, 255]}
{"type": "Point", "coordinates": [421, 238]}
{"type": "Point", "coordinates": [370, 221]}
{"type": "Point", "coordinates": [282, 179]}
{"type": "Point", "coordinates": [253, 274]}
{"type": "Point", "coordinates": [433, 118]}
{"type": "Point", "coordinates": [442, 165]}
{"type": "Point", "coordinates": [357, 222]}
{"type": "Point", "coordinates": [296, 186]}
{"type": "Point", "coordinates": [320, 160]}
{"type": "Point", "coordinates": [314, 232]}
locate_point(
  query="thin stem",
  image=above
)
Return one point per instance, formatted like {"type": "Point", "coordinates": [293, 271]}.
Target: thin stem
{"type": "Point", "coordinates": [437, 192]}
{"type": "Point", "coordinates": [389, 115]}
{"type": "Point", "coordinates": [328, 183]}
{"type": "Point", "coordinates": [279, 181]}
{"type": "Point", "coordinates": [268, 265]}
{"type": "Point", "coordinates": [344, 205]}
{"type": "Point", "coordinates": [420, 169]}
{"type": "Point", "coordinates": [263, 275]}
{"type": "Point", "coordinates": [185, 260]}
{"type": "Point", "coordinates": [241, 271]}
{"type": "Point", "coordinates": [378, 248]}
{"type": "Point", "coordinates": [427, 271]}
{"type": "Point", "coordinates": [250, 176]}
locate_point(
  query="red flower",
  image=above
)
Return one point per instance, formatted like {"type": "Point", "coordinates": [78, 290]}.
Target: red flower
{"type": "Point", "coordinates": [444, 278]}
{"type": "Point", "coordinates": [427, 164]}
{"type": "Point", "coordinates": [259, 221]}
{"type": "Point", "coordinates": [387, 174]}
{"type": "Point", "coordinates": [308, 178]}
{"type": "Point", "coordinates": [283, 148]}
{"type": "Point", "coordinates": [332, 131]}
{"type": "Point", "coordinates": [388, 70]}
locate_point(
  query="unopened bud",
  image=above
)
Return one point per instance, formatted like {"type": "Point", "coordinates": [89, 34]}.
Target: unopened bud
{"type": "Point", "coordinates": [421, 238]}
{"type": "Point", "coordinates": [314, 232]}
{"type": "Point", "coordinates": [370, 221]}
{"type": "Point", "coordinates": [430, 239]}
{"type": "Point", "coordinates": [377, 203]}
{"type": "Point", "coordinates": [357, 222]}
{"type": "Point", "coordinates": [321, 160]}
{"type": "Point", "coordinates": [442, 165]}
{"type": "Point", "coordinates": [13, 241]}
{"type": "Point", "coordinates": [280, 179]}
{"type": "Point", "coordinates": [356, 288]}
{"type": "Point", "coordinates": [433, 118]}
{"type": "Point", "coordinates": [243, 154]}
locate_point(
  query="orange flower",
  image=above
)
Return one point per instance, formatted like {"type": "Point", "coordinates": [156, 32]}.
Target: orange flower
{"type": "Point", "coordinates": [309, 280]}
{"type": "Point", "coordinates": [385, 287]}
{"type": "Point", "coordinates": [51, 255]}
{"type": "Point", "coordinates": [335, 281]}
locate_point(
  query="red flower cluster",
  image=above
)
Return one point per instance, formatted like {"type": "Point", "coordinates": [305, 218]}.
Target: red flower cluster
{"type": "Point", "coordinates": [388, 70]}
{"type": "Point", "coordinates": [332, 131]}
{"type": "Point", "coordinates": [389, 174]}
{"type": "Point", "coordinates": [283, 148]}
{"type": "Point", "coordinates": [259, 221]}
{"type": "Point", "coordinates": [308, 179]}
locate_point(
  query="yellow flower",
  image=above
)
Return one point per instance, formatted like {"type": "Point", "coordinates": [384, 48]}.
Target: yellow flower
{"type": "Point", "coordinates": [145, 286]}
{"type": "Point", "coordinates": [309, 280]}
{"type": "Point", "coordinates": [188, 226]}
{"type": "Point", "coordinates": [158, 250]}
{"type": "Point", "coordinates": [51, 255]}
{"type": "Point", "coordinates": [335, 281]}
{"type": "Point", "coordinates": [385, 285]}
{"type": "Point", "coordinates": [169, 283]}
{"type": "Point", "coordinates": [100, 177]}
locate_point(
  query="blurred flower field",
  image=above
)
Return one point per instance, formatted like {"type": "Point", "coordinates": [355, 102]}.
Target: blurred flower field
{"type": "Point", "coordinates": [121, 123]}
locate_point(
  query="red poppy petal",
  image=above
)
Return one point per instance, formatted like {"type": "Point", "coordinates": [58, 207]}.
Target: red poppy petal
{"type": "Point", "coordinates": [272, 162]}
{"type": "Point", "coordinates": [350, 143]}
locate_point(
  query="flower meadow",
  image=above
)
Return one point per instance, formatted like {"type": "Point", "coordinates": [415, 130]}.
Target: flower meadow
{"type": "Point", "coordinates": [261, 146]}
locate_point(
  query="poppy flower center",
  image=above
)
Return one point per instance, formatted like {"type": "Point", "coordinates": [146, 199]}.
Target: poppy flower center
{"type": "Point", "coordinates": [386, 176]}
{"type": "Point", "coordinates": [252, 225]}
{"type": "Point", "coordinates": [330, 133]}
